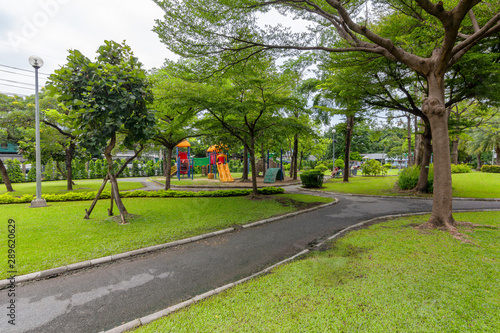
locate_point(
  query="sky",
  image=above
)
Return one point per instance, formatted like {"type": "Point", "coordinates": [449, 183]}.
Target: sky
{"type": "Point", "coordinates": [49, 28]}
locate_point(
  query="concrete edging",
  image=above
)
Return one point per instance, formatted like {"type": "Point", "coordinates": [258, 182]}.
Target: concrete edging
{"type": "Point", "coordinates": [165, 312]}
{"type": "Point", "coordinates": [300, 188]}
{"type": "Point", "coordinates": [97, 261]}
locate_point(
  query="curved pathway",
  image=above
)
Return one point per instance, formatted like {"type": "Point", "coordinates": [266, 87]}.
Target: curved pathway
{"type": "Point", "coordinates": [106, 296]}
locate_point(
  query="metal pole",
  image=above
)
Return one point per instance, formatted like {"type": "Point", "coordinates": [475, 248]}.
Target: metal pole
{"type": "Point", "coordinates": [38, 202]}
{"type": "Point", "coordinates": [333, 148]}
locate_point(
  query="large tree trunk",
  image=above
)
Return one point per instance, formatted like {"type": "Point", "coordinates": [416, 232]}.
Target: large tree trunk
{"type": "Point", "coordinates": [347, 156]}
{"type": "Point", "coordinates": [478, 157]}
{"type": "Point", "coordinates": [5, 177]}
{"type": "Point", "coordinates": [435, 110]}
{"type": "Point", "coordinates": [426, 158]}
{"type": "Point", "coordinates": [418, 144]}
{"type": "Point", "coordinates": [168, 166]}
{"type": "Point", "coordinates": [251, 150]}
{"type": "Point", "coordinates": [295, 155]}
{"type": "Point", "coordinates": [454, 149]}
{"type": "Point", "coordinates": [244, 176]}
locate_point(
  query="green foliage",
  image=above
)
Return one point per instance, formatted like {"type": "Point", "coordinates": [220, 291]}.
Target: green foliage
{"type": "Point", "coordinates": [490, 168]}
{"type": "Point", "coordinates": [312, 179]}
{"type": "Point", "coordinates": [339, 163]}
{"type": "Point", "coordinates": [330, 165]}
{"type": "Point", "coordinates": [408, 178]}
{"type": "Point", "coordinates": [460, 168]}
{"type": "Point", "coordinates": [78, 167]}
{"type": "Point", "coordinates": [388, 166]}
{"type": "Point", "coordinates": [99, 169]}
{"type": "Point", "coordinates": [135, 169]}
{"type": "Point", "coordinates": [14, 171]}
{"type": "Point", "coordinates": [50, 171]}
{"type": "Point", "coordinates": [373, 168]}
{"type": "Point", "coordinates": [105, 96]}
{"type": "Point", "coordinates": [321, 167]}
{"type": "Point", "coordinates": [32, 174]}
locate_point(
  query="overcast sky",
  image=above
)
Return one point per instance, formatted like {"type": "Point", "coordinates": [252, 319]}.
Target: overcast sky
{"type": "Point", "coordinates": [49, 28]}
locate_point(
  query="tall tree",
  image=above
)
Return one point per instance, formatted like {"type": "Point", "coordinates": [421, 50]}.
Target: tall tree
{"type": "Point", "coordinates": [174, 122]}
{"type": "Point", "coordinates": [105, 97]}
{"type": "Point", "coordinates": [245, 102]}
{"type": "Point", "coordinates": [443, 34]}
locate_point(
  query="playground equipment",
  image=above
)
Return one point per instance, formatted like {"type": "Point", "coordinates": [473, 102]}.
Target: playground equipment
{"type": "Point", "coordinates": [183, 166]}
{"type": "Point", "coordinates": [173, 170]}
{"type": "Point", "coordinates": [273, 174]}
{"type": "Point", "coordinates": [219, 160]}
{"type": "Point", "coordinates": [223, 168]}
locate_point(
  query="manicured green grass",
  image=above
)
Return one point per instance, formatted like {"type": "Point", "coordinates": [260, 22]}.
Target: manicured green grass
{"type": "Point", "coordinates": [466, 185]}
{"type": "Point", "coordinates": [379, 185]}
{"type": "Point", "coordinates": [58, 235]}
{"type": "Point", "coordinates": [476, 185]}
{"type": "Point", "coordinates": [388, 278]}
{"type": "Point", "coordinates": [59, 187]}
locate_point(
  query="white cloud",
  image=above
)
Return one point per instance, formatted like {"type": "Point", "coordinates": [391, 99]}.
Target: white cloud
{"type": "Point", "coordinates": [49, 28]}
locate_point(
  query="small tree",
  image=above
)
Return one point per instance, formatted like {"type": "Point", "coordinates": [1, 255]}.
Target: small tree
{"type": "Point", "coordinates": [105, 97]}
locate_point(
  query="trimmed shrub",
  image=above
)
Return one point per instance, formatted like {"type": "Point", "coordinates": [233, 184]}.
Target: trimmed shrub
{"type": "Point", "coordinates": [135, 168]}
{"type": "Point", "coordinates": [32, 174]}
{"type": "Point", "coordinates": [14, 170]}
{"type": "Point", "coordinates": [339, 163]}
{"type": "Point", "coordinates": [321, 167]}
{"type": "Point", "coordinates": [80, 196]}
{"type": "Point", "coordinates": [460, 168]}
{"type": "Point", "coordinates": [312, 179]}
{"type": "Point", "coordinates": [373, 168]}
{"type": "Point", "coordinates": [387, 166]}
{"type": "Point", "coordinates": [490, 168]}
{"type": "Point", "coordinates": [408, 178]}
{"type": "Point", "coordinates": [330, 166]}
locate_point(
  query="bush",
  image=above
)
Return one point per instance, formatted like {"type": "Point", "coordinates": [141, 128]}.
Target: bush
{"type": "Point", "coordinates": [373, 168]}
{"type": "Point", "coordinates": [339, 163]}
{"type": "Point", "coordinates": [490, 168]}
{"type": "Point", "coordinates": [79, 196]}
{"type": "Point", "coordinates": [330, 166]}
{"type": "Point", "coordinates": [460, 168]}
{"type": "Point", "coordinates": [14, 171]}
{"type": "Point", "coordinates": [408, 178]}
{"type": "Point", "coordinates": [387, 166]}
{"type": "Point", "coordinates": [321, 167]}
{"type": "Point", "coordinates": [312, 179]}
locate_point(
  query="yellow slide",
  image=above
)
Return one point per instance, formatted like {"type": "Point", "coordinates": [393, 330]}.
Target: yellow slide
{"type": "Point", "coordinates": [224, 173]}
{"type": "Point", "coordinates": [173, 170]}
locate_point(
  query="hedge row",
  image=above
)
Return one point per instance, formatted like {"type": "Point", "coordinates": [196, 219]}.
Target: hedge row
{"type": "Point", "coordinates": [490, 168]}
{"type": "Point", "coordinates": [81, 196]}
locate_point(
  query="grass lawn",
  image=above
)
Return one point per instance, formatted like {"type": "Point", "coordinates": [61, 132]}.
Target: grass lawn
{"type": "Point", "coordinates": [466, 185]}
{"type": "Point", "coordinates": [58, 235]}
{"type": "Point", "coordinates": [59, 187]}
{"type": "Point", "coordinates": [387, 278]}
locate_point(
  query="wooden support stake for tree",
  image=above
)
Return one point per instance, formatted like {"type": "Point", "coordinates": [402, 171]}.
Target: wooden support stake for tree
{"type": "Point", "coordinates": [89, 211]}
{"type": "Point", "coordinates": [110, 210]}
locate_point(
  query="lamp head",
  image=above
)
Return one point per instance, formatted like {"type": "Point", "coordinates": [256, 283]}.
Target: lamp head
{"type": "Point", "coordinates": [36, 61]}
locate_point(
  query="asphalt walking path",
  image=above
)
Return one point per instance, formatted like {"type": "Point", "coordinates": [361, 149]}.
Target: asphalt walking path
{"type": "Point", "coordinates": [106, 296]}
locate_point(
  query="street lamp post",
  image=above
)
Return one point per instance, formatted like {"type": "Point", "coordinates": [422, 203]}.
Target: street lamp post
{"type": "Point", "coordinates": [333, 147]}
{"type": "Point", "coordinates": [37, 63]}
